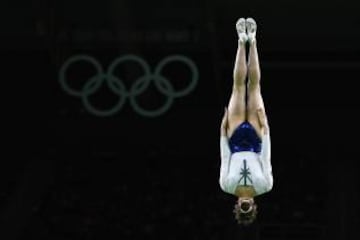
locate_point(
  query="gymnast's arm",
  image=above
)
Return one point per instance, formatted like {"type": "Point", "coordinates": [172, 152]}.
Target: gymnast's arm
{"type": "Point", "coordinates": [225, 154]}
{"type": "Point", "coordinates": [265, 154]}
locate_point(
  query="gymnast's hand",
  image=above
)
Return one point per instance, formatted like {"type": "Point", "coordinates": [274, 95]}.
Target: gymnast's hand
{"type": "Point", "coordinates": [224, 124]}
{"type": "Point", "coordinates": [263, 120]}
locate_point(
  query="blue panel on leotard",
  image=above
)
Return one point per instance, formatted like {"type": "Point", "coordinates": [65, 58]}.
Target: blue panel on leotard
{"type": "Point", "coordinates": [245, 138]}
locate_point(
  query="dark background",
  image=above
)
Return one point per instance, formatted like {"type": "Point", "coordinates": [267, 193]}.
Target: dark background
{"type": "Point", "coordinates": [69, 174]}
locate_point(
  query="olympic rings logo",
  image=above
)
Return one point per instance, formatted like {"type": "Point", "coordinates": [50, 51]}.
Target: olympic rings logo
{"type": "Point", "coordinates": [116, 85]}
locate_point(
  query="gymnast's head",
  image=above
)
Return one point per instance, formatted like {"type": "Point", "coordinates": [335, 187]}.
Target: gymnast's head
{"type": "Point", "coordinates": [245, 210]}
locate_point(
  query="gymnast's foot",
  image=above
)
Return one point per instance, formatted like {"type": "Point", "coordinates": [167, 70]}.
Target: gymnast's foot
{"type": "Point", "coordinates": [251, 29]}
{"type": "Point", "coordinates": [241, 30]}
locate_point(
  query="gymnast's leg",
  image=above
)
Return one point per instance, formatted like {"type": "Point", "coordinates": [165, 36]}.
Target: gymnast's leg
{"type": "Point", "coordinates": [256, 114]}
{"type": "Point", "coordinates": [237, 105]}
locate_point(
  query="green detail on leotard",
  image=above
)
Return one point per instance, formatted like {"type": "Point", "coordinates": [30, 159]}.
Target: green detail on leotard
{"type": "Point", "coordinates": [245, 175]}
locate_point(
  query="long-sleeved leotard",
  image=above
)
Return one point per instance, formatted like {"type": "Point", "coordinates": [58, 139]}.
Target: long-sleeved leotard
{"type": "Point", "coordinates": [246, 168]}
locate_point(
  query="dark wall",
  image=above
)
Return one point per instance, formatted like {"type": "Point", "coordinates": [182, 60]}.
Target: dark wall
{"type": "Point", "coordinates": [73, 173]}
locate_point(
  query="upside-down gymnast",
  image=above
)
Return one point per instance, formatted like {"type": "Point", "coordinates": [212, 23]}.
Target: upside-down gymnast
{"type": "Point", "coordinates": [245, 170]}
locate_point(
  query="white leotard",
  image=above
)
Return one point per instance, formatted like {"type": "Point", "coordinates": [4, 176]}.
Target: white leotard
{"type": "Point", "coordinates": [246, 168]}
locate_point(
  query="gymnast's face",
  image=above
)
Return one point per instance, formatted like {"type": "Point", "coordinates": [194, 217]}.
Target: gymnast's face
{"type": "Point", "coordinates": [246, 204]}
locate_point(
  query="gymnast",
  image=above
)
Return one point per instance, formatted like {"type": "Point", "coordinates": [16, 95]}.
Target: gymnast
{"type": "Point", "coordinates": [245, 170]}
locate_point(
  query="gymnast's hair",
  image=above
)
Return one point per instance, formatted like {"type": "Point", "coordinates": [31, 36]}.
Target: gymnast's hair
{"type": "Point", "coordinates": [245, 218]}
